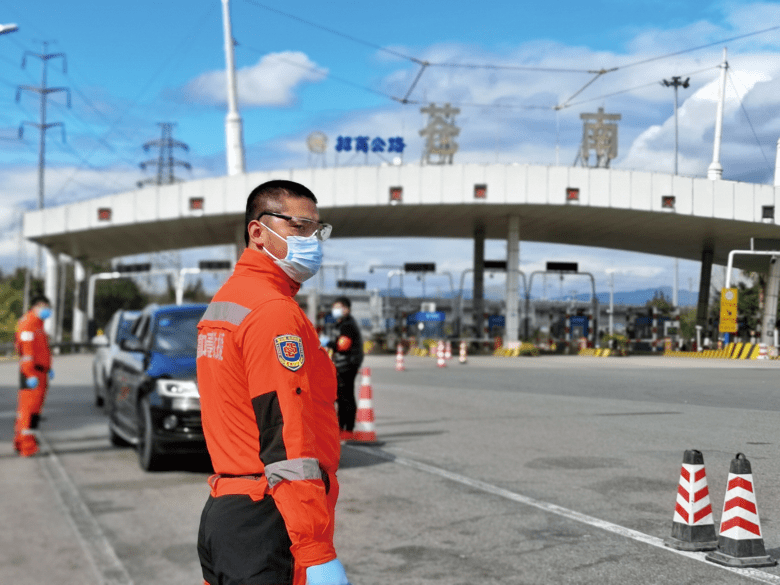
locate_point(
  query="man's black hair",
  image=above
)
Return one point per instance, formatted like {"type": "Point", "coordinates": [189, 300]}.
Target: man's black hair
{"type": "Point", "coordinates": [268, 193]}
{"type": "Point", "coordinates": [344, 301]}
{"type": "Point", "coordinates": [39, 299]}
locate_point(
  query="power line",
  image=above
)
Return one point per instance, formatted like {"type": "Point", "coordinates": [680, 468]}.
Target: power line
{"type": "Point", "coordinates": [335, 32]}
{"type": "Point", "coordinates": [321, 72]}
{"type": "Point", "coordinates": [692, 49]}
{"type": "Point", "coordinates": [425, 64]}
{"type": "Point", "coordinates": [752, 129]}
{"type": "Point", "coordinates": [622, 91]}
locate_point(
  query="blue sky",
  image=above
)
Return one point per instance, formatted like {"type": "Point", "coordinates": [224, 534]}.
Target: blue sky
{"type": "Point", "coordinates": [132, 65]}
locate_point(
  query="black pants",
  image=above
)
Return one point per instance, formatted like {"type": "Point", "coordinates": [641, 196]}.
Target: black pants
{"type": "Point", "coordinates": [345, 397]}
{"type": "Point", "coordinates": [241, 542]}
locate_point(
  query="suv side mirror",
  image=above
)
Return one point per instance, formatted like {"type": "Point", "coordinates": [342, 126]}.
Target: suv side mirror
{"type": "Point", "coordinates": [132, 344]}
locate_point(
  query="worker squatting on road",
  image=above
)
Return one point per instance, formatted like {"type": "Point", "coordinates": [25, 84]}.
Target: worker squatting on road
{"type": "Point", "coordinates": [32, 345]}
{"type": "Point", "coordinates": [267, 393]}
{"type": "Point", "coordinates": [347, 350]}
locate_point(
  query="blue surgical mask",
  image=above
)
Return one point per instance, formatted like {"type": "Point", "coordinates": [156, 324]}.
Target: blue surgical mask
{"type": "Point", "coordinates": [44, 313]}
{"type": "Point", "coordinates": [337, 313]}
{"type": "Point", "coordinates": [304, 256]}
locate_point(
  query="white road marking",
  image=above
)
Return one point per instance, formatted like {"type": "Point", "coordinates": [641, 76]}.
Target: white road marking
{"type": "Point", "coordinates": [754, 574]}
{"type": "Point", "coordinates": [100, 553]}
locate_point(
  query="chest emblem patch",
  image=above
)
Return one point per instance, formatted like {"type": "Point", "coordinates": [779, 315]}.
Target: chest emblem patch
{"type": "Point", "coordinates": [289, 350]}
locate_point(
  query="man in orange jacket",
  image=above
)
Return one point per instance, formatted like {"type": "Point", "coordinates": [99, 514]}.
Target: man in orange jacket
{"type": "Point", "coordinates": [267, 393]}
{"type": "Point", "coordinates": [32, 344]}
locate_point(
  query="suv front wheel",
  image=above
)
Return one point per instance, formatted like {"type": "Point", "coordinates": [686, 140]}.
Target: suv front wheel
{"type": "Point", "coordinates": [149, 456]}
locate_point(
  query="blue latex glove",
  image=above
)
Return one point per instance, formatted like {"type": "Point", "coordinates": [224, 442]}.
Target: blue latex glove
{"type": "Point", "coordinates": [324, 339]}
{"type": "Point", "coordinates": [51, 374]}
{"type": "Point", "coordinates": [32, 382]}
{"type": "Point", "coordinates": [330, 573]}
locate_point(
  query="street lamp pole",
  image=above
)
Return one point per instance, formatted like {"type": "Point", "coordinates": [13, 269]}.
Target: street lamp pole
{"type": "Point", "coordinates": [675, 83]}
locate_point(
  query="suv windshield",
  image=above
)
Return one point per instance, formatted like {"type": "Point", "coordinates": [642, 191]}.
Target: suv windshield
{"type": "Point", "coordinates": [177, 332]}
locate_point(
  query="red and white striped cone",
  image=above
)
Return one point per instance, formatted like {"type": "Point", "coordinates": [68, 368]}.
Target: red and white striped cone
{"type": "Point", "coordinates": [399, 358]}
{"type": "Point", "coordinates": [440, 361]}
{"type": "Point", "coordinates": [762, 352]}
{"type": "Point", "coordinates": [365, 430]}
{"type": "Point", "coordinates": [740, 543]}
{"type": "Point", "coordinates": [693, 527]}
{"type": "Point", "coordinates": [462, 353]}
{"type": "Point", "coordinates": [448, 350]}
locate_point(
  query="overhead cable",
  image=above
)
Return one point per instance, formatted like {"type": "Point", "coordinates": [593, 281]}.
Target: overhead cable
{"type": "Point", "coordinates": [692, 49]}
{"type": "Point", "coordinates": [568, 104]}
{"type": "Point", "coordinates": [424, 64]}
{"type": "Point", "coordinates": [752, 129]}
{"type": "Point", "coordinates": [328, 75]}
{"type": "Point", "coordinates": [335, 32]}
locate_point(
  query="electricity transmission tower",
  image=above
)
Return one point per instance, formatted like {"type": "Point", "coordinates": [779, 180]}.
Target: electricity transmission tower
{"type": "Point", "coordinates": [165, 162]}
{"type": "Point", "coordinates": [43, 91]}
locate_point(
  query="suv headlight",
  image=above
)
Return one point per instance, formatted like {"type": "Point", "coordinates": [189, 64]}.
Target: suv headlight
{"type": "Point", "coordinates": [177, 388]}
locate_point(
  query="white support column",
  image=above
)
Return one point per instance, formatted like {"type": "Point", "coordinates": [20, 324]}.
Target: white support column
{"type": "Point", "coordinates": [512, 319]}
{"type": "Point", "coordinates": [234, 138]}
{"type": "Point", "coordinates": [777, 164]}
{"type": "Point", "coordinates": [50, 289]}
{"type": "Point", "coordinates": [715, 170]}
{"type": "Point", "coordinates": [79, 316]}
{"type": "Point", "coordinates": [770, 302]}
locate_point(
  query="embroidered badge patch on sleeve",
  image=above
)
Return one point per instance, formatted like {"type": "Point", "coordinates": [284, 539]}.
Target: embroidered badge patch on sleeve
{"type": "Point", "coordinates": [289, 350]}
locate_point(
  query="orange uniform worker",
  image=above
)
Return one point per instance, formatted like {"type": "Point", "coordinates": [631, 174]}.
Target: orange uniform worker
{"type": "Point", "coordinates": [32, 344]}
{"type": "Point", "coordinates": [267, 393]}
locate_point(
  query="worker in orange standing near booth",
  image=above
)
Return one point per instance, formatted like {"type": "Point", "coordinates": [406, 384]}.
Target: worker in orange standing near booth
{"type": "Point", "coordinates": [32, 344]}
{"type": "Point", "coordinates": [267, 393]}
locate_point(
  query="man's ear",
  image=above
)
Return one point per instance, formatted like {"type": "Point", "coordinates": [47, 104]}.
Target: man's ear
{"type": "Point", "coordinates": [255, 230]}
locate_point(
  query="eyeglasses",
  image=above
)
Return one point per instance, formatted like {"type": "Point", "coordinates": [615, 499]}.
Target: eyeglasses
{"type": "Point", "coordinates": [302, 226]}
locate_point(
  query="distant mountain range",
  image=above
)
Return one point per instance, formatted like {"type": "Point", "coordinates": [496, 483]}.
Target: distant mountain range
{"type": "Point", "coordinates": [685, 298]}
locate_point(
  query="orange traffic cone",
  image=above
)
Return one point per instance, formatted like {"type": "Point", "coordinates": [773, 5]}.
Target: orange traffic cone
{"type": "Point", "coordinates": [740, 543]}
{"type": "Point", "coordinates": [462, 355]}
{"type": "Point", "coordinates": [692, 526]}
{"type": "Point", "coordinates": [365, 431]}
{"type": "Point", "coordinates": [440, 362]}
{"type": "Point", "coordinates": [399, 358]}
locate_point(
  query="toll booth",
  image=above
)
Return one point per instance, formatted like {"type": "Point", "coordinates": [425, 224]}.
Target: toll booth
{"type": "Point", "coordinates": [428, 324]}
{"type": "Point", "coordinates": [496, 325]}
{"type": "Point", "coordinates": [648, 327]}
{"type": "Point", "coordinates": [579, 326]}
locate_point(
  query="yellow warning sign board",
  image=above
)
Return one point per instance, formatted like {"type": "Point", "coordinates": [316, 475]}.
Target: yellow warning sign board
{"type": "Point", "coordinates": [728, 310]}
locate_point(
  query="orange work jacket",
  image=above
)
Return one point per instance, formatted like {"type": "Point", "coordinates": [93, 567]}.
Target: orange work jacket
{"type": "Point", "coordinates": [32, 344]}
{"type": "Point", "coordinates": [267, 392]}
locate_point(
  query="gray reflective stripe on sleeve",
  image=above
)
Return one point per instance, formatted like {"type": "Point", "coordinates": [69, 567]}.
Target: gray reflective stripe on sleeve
{"type": "Point", "coordinates": [232, 313]}
{"type": "Point", "coordinates": [292, 470]}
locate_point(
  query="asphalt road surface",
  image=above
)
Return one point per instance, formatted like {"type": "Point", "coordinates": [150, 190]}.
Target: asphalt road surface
{"type": "Point", "coordinates": [501, 470]}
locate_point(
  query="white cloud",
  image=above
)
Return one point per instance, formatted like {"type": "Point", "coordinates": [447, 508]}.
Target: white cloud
{"type": "Point", "coordinates": [272, 81]}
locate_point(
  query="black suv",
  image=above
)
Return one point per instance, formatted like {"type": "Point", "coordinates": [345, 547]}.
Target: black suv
{"type": "Point", "coordinates": [152, 399]}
